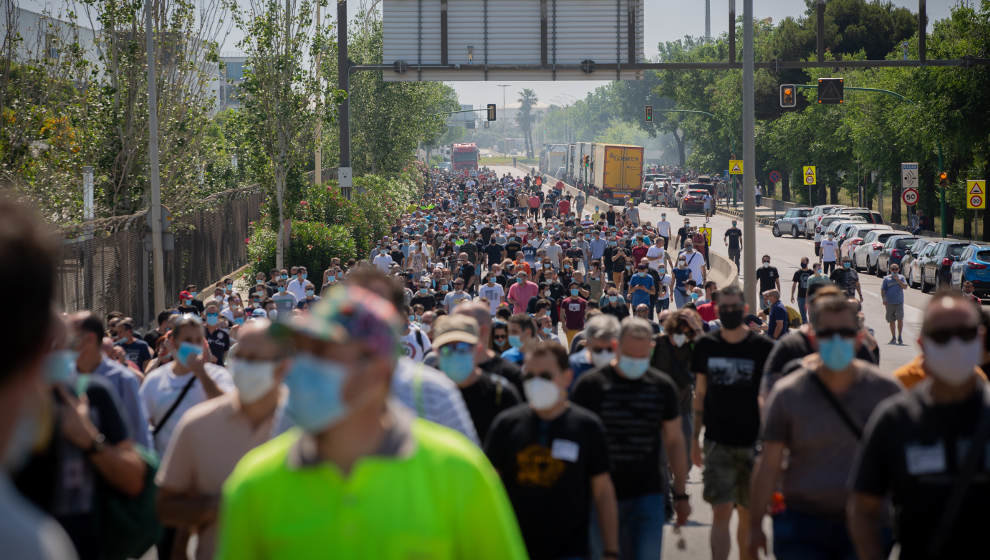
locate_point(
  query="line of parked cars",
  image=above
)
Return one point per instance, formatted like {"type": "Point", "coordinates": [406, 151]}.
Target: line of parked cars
{"type": "Point", "coordinates": [927, 263]}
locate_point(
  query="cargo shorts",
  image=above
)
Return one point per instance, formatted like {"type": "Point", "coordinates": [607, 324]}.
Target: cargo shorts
{"type": "Point", "coordinates": [895, 312]}
{"type": "Point", "coordinates": [727, 472]}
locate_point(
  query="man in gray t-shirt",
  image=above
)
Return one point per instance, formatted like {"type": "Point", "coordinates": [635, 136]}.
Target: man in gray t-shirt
{"type": "Point", "coordinates": [803, 416]}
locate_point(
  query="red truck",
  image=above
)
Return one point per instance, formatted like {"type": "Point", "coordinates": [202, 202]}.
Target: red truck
{"type": "Point", "coordinates": [464, 157]}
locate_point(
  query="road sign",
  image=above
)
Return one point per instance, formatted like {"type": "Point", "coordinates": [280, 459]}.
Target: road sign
{"type": "Point", "coordinates": [735, 167]}
{"type": "Point", "coordinates": [809, 175]}
{"type": "Point", "coordinates": [976, 194]}
{"type": "Point", "coordinates": [707, 232]}
{"type": "Point", "coordinates": [910, 196]}
{"type": "Point", "coordinates": [775, 176]}
{"type": "Point", "coordinates": [909, 175]}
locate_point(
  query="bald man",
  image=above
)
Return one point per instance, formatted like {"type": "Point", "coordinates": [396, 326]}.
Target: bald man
{"type": "Point", "coordinates": [213, 436]}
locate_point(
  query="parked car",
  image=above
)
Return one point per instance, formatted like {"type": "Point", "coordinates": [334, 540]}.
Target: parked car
{"type": "Point", "coordinates": [894, 251]}
{"type": "Point", "coordinates": [860, 230]}
{"type": "Point", "coordinates": [692, 201]}
{"type": "Point", "coordinates": [867, 254]}
{"type": "Point", "coordinates": [871, 216]}
{"type": "Point", "coordinates": [824, 225]}
{"type": "Point", "coordinates": [838, 227]}
{"type": "Point", "coordinates": [813, 220]}
{"type": "Point", "coordinates": [936, 267]}
{"type": "Point", "coordinates": [849, 245]}
{"type": "Point", "coordinates": [973, 266]}
{"type": "Point", "coordinates": [791, 222]}
{"type": "Point", "coordinates": [909, 266]}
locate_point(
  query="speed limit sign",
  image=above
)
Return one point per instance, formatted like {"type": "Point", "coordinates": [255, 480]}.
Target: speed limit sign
{"type": "Point", "coordinates": [910, 196]}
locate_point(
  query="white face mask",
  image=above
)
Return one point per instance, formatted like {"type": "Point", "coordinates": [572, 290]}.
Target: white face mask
{"type": "Point", "coordinates": [541, 393]}
{"type": "Point", "coordinates": [252, 379]}
{"type": "Point", "coordinates": [598, 359]}
{"type": "Point", "coordinates": [952, 362]}
{"type": "Point", "coordinates": [678, 339]}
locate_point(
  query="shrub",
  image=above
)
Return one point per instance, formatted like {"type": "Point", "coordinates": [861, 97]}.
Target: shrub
{"type": "Point", "coordinates": [312, 244]}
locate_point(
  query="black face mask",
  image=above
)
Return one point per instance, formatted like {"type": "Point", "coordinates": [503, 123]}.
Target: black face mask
{"type": "Point", "coordinates": [731, 319]}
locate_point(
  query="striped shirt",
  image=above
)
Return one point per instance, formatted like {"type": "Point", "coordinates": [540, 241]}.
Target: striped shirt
{"type": "Point", "coordinates": [437, 398]}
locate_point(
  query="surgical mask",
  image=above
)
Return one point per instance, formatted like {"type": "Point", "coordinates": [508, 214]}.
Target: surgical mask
{"type": "Point", "coordinates": [633, 368]}
{"type": "Point", "coordinates": [599, 359]}
{"type": "Point", "coordinates": [284, 277]}
{"type": "Point", "coordinates": [272, 314]}
{"type": "Point", "coordinates": [310, 293]}
{"type": "Point", "coordinates": [238, 320]}
{"type": "Point", "coordinates": [186, 351]}
{"type": "Point", "coordinates": [520, 280]}
{"type": "Point", "coordinates": [331, 278]}
{"type": "Point", "coordinates": [953, 361]}
{"type": "Point", "coordinates": [662, 270]}
{"type": "Point", "coordinates": [515, 341]}
{"type": "Point", "coordinates": [688, 248]}
{"type": "Point", "coordinates": [281, 289]}
{"type": "Point", "coordinates": [316, 392]}
{"type": "Point", "coordinates": [305, 275]}
{"type": "Point", "coordinates": [694, 297]}
{"type": "Point", "coordinates": [766, 264]}
{"type": "Point", "coordinates": [252, 379]}
{"type": "Point", "coordinates": [194, 294]}
{"type": "Point", "coordinates": [212, 319]}
{"type": "Point", "coordinates": [837, 352]}
{"type": "Point", "coordinates": [457, 365]}
{"type": "Point", "coordinates": [846, 265]}
{"type": "Point", "coordinates": [541, 394]}
{"type": "Point", "coordinates": [733, 224]}
{"type": "Point", "coordinates": [678, 339]}
{"type": "Point", "coordinates": [547, 330]}
{"type": "Point", "coordinates": [574, 292]}
{"type": "Point", "coordinates": [60, 366]}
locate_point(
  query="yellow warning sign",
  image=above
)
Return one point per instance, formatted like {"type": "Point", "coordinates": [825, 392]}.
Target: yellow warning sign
{"type": "Point", "coordinates": [809, 175]}
{"type": "Point", "coordinates": [735, 167]}
{"type": "Point", "coordinates": [976, 194]}
{"type": "Point", "coordinates": [707, 232]}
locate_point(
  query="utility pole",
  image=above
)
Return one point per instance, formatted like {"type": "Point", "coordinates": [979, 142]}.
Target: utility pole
{"type": "Point", "coordinates": [503, 86]}
{"type": "Point", "coordinates": [749, 161]}
{"type": "Point", "coordinates": [157, 252]}
{"type": "Point", "coordinates": [708, 21]}
{"type": "Point", "coordinates": [344, 114]}
{"type": "Point", "coordinates": [318, 156]}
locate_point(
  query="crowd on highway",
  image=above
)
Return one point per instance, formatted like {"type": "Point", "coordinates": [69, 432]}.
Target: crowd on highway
{"type": "Point", "coordinates": [512, 372]}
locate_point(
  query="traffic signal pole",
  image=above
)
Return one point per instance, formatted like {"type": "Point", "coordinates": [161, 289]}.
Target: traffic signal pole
{"type": "Point", "coordinates": [749, 161]}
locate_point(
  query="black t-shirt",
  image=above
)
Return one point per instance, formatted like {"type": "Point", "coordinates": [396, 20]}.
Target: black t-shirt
{"type": "Point", "coordinates": [510, 371]}
{"type": "Point", "coordinates": [486, 398]}
{"type": "Point", "coordinates": [547, 468]}
{"type": "Point", "coordinates": [427, 300]}
{"type": "Point", "coordinates": [511, 248]}
{"type": "Point", "coordinates": [767, 275]}
{"type": "Point", "coordinates": [682, 234]}
{"type": "Point", "coordinates": [494, 253]}
{"type": "Point", "coordinates": [912, 451]}
{"type": "Point", "coordinates": [467, 272]}
{"type": "Point", "coordinates": [151, 338]}
{"type": "Point", "coordinates": [633, 413]}
{"type": "Point", "coordinates": [486, 233]}
{"type": "Point", "coordinates": [397, 256]}
{"type": "Point", "coordinates": [801, 276]}
{"type": "Point", "coordinates": [792, 346]}
{"type": "Point", "coordinates": [735, 235]}
{"type": "Point", "coordinates": [732, 373]}
{"type": "Point", "coordinates": [137, 351]}
{"type": "Point", "coordinates": [610, 217]}
{"type": "Point", "coordinates": [219, 341]}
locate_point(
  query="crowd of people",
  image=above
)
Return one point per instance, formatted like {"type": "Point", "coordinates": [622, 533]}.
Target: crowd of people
{"type": "Point", "coordinates": [512, 372]}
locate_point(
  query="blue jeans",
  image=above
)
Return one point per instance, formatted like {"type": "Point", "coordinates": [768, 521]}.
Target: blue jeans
{"type": "Point", "coordinates": [641, 522]}
{"type": "Point", "coordinates": [804, 536]}
{"type": "Point", "coordinates": [680, 298]}
{"type": "Point", "coordinates": [804, 314]}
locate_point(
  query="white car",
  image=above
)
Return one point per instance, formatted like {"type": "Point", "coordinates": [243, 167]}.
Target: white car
{"type": "Point", "coordinates": [860, 230]}
{"type": "Point", "coordinates": [815, 218]}
{"type": "Point", "coordinates": [867, 253]}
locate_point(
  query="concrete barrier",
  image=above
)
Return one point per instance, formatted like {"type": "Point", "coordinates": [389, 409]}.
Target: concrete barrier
{"type": "Point", "coordinates": [723, 271]}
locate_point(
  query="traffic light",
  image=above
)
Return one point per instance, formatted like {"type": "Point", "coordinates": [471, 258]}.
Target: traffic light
{"type": "Point", "coordinates": [830, 91]}
{"type": "Point", "coordinates": [788, 95]}
{"type": "Point", "coordinates": [649, 113]}
{"type": "Point", "coordinates": [943, 179]}
{"type": "Point", "coordinates": [491, 111]}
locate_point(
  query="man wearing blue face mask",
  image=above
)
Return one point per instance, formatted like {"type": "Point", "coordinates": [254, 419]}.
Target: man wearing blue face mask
{"type": "Point", "coordinates": [817, 414]}
{"type": "Point", "coordinates": [634, 441]}
{"type": "Point", "coordinates": [456, 340]}
{"type": "Point", "coordinates": [216, 336]}
{"type": "Point", "coordinates": [522, 331]}
{"type": "Point", "coordinates": [351, 429]}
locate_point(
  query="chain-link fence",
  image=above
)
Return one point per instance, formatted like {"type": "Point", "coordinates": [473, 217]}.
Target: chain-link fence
{"type": "Point", "coordinates": [106, 264]}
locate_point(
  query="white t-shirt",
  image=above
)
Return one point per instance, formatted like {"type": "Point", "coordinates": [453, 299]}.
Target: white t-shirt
{"type": "Point", "coordinates": [829, 250]}
{"type": "Point", "coordinates": [416, 347]}
{"type": "Point", "coordinates": [160, 389]}
{"type": "Point", "coordinates": [453, 298]}
{"type": "Point", "coordinates": [696, 262]}
{"type": "Point", "coordinates": [663, 290]}
{"type": "Point", "coordinates": [383, 261]}
{"type": "Point", "coordinates": [493, 294]}
{"type": "Point", "coordinates": [657, 253]}
{"type": "Point", "coordinates": [553, 253]}
{"type": "Point", "coordinates": [297, 288]}
{"type": "Point", "coordinates": [663, 228]}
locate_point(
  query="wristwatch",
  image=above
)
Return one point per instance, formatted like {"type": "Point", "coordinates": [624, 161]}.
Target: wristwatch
{"type": "Point", "coordinates": [99, 444]}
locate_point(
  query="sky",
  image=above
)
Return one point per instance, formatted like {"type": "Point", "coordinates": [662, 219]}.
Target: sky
{"type": "Point", "coordinates": [666, 20]}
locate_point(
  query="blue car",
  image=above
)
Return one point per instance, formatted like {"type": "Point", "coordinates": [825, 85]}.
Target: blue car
{"type": "Point", "coordinates": [973, 266]}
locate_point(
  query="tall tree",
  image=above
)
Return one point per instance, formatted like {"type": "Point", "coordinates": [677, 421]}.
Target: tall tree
{"type": "Point", "coordinates": [527, 99]}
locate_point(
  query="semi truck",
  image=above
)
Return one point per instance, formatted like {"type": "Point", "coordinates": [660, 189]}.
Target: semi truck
{"type": "Point", "coordinates": [616, 172]}
{"type": "Point", "coordinates": [553, 158]}
{"type": "Point", "coordinates": [464, 158]}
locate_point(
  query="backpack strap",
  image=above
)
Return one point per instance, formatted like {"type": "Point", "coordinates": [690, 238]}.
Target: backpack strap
{"type": "Point", "coordinates": [418, 390]}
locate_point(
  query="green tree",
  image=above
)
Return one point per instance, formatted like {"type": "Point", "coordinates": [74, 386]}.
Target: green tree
{"type": "Point", "coordinates": [525, 117]}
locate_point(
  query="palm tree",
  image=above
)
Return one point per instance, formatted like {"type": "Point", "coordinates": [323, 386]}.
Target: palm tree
{"type": "Point", "coordinates": [527, 98]}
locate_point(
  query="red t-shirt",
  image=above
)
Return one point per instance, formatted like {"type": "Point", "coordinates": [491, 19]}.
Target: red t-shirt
{"type": "Point", "coordinates": [639, 253]}
{"type": "Point", "coordinates": [707, 312]}
{"type": "Point", "coordinates": [573, 308]}
{"type": "Point", "coordinates": [564, 206]}
{"type": "Point", "coordinates": [534, 201]}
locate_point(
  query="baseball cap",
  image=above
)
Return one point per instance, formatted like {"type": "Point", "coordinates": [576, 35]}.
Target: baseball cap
{"type": "Point", "coordinates": [349, 314]}
{"type": "Point", "coordinates": [455, 328]}
{"type": "Point", "coordinates": [184, 294]}
{"type": "Point", "coordinates": [259, 313]}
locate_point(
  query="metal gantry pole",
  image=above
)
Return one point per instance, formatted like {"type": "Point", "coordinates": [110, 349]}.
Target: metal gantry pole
{"type": "Point", "coordinates": [343, 83]}
{"type": "Point", "coordinates": [749, 161]}
{"type": "Point", "coordinates": [318, 133]}
{"type": "Point", "coordinates": [157, 252]}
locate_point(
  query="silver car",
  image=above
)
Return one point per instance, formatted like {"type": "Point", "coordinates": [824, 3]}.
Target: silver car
{"type": "Point", "coordinates": [791, 222]}
{"type": "Point", "coordinates": [815, 217]}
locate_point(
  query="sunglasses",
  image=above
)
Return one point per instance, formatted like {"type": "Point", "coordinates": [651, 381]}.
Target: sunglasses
{"type": "Point", "coordinates": [500, 337]}
{"type": "Point", "coordinates": [599, 350]}
{"type": "Point", "coordinates": [944, 335]}
{"type": "Point", "coordinates": [455, 348]}
{"type": "Point", "coordinates": [843, 332]}
{"type": "Point", "coordinates": [544, 375]}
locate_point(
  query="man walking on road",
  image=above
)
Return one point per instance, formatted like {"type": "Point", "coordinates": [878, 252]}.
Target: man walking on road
{"type": "Point", "coordinates": [829, 252]}
{"type": "Point", "coordinates": [663, 229]}
{"type": "Point", "coordinates": [769, 279]}
{"type": "Point", "coordinates": [817, 414]}
{"type": "Point", "coordinates": [892, 291]}
{"type": "Point", "coordinates": [800, 284]}
{"type": "Point", "coordinates": [733, 241]}
{"type": "Point", "coordinates": [728, 365]}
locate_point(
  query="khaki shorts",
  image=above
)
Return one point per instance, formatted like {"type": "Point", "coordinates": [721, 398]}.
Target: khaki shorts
{"type": "Point", "coordinates": [895, 312]}
{"type": "Point", "coordinates": [727, 472]}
